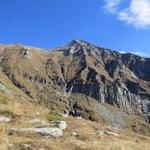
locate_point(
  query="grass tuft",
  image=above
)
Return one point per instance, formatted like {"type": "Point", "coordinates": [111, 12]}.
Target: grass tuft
{"type": "Point", "coordinates": [54, 116]}
{"type": "Point", "coordinates": [3, 101]}
{"type": "Point", "coordinates": [6, 112]}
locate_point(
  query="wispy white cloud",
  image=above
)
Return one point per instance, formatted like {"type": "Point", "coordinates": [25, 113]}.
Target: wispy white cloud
{"type": "Point", "coordinates": [143, 54]}
{"type": "Point", "coordinates": [111, 5]}
{"type": "Point", "coordinates": [139, 53]}
{"type": "Point", "coordinates": [136, 14]}
{"type": "Point", "coordinates": [122, 52]}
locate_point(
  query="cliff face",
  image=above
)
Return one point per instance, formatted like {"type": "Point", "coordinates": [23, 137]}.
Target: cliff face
{"type": "Point", "coordinates": [79, 76]}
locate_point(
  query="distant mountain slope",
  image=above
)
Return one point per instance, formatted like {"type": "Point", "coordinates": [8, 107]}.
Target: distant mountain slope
{"type": "Point", "coordinates": [78, 77]}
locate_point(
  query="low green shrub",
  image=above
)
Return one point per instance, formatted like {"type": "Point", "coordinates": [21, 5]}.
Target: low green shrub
{"type": "Point", "coordinates": [54, 116]}
{"type": "Point", "coordinates": [3, 100]}
{"type": "Point", "coordinates": [6, 112]}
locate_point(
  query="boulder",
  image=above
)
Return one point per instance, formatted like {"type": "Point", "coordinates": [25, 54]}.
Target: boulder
{"type": "Point", "coordinates": [74, 134]}
{"type": "Point", "coordinates": [52, 132]}
{"type": "Point", "coordinates": [38, 122]}
{"type": "Point", "coordinates": [100, 133]}
{"type": "Point", "coordinates": [111, 133]}
{"type": "Point", "coordinates": [4, 119]}
{"type": "Point", "coordinates": [60, 124]}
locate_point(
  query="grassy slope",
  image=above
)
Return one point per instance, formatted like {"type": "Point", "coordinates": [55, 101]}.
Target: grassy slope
{"type": "Point", "coordinates": [22, 112]}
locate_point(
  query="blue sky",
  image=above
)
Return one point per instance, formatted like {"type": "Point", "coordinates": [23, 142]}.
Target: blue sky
{"type": "Point", "coordinates": [114, 24]}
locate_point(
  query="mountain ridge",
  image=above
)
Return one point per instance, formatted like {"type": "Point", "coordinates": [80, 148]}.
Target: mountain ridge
{"type": "Point", "coordinates": [48, 49]}
{"type": "Point", "coordinates": [81, 69]}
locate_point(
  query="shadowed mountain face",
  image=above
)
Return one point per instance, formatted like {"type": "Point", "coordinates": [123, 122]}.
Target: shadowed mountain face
{"type": "Point", "coordinates": [78, 77]}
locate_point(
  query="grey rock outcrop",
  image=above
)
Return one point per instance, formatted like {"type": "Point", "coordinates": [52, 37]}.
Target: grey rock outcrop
{"type": "Point", "coordinates": [52, 132]}
{"type": "Point", "coordinates": [4, 119]}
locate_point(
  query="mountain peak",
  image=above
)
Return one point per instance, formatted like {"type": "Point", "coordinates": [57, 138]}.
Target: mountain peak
{"type": "Point", "coordinates": [79, 42]}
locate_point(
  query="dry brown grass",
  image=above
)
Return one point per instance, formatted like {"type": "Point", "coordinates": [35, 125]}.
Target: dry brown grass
{"type": "Point", "coordinates": [86, 138]}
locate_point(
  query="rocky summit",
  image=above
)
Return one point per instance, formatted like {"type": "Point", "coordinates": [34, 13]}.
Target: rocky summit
{"type": "Point", "coordinates": [78, 79]}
